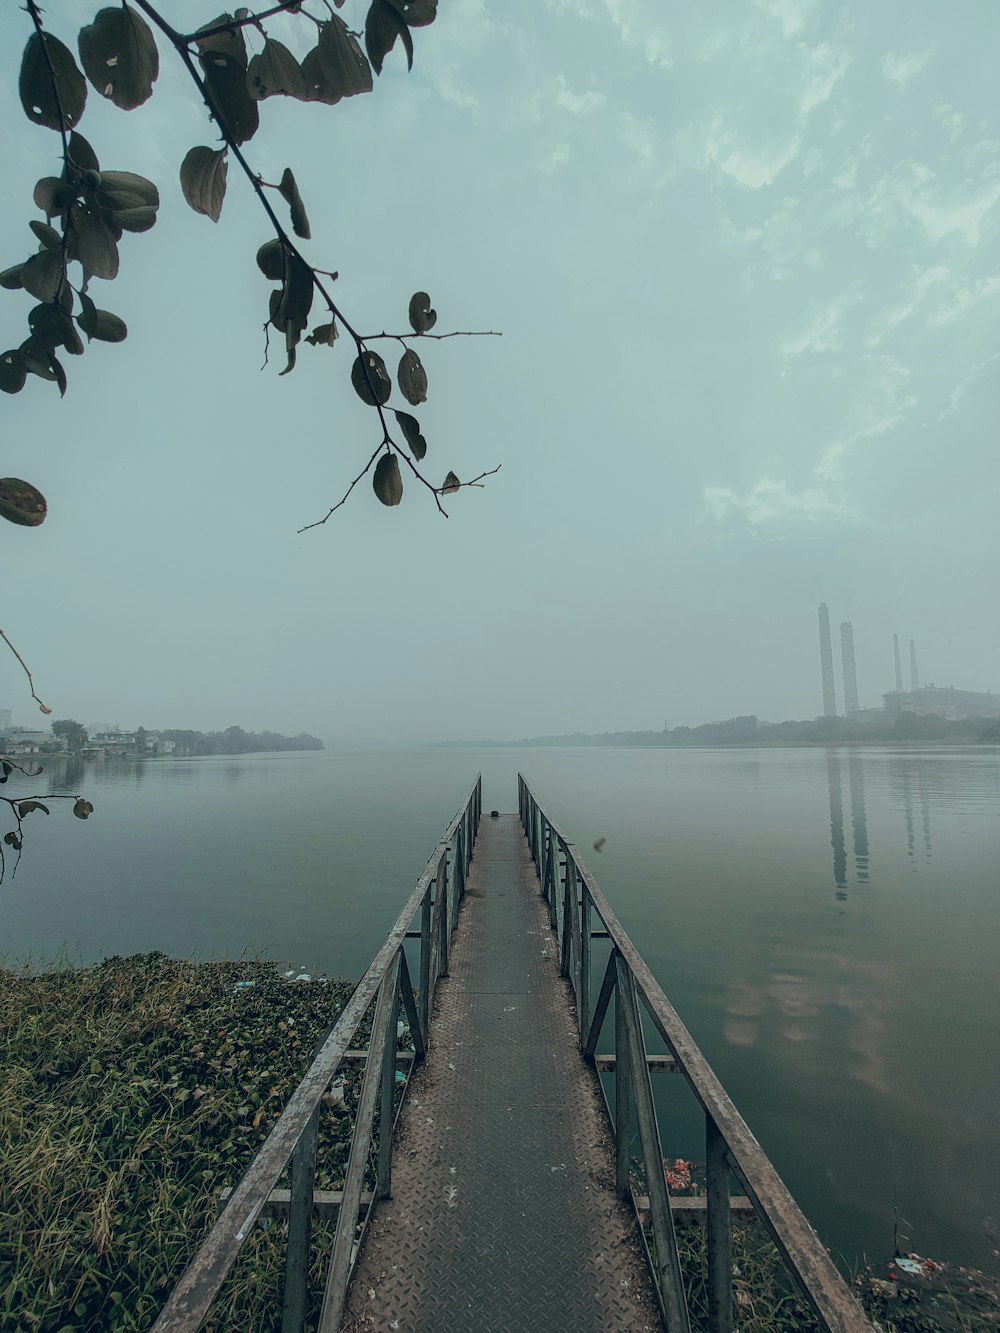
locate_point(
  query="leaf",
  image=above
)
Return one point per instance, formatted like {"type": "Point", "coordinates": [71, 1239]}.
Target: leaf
{"type": "Point", "coordinates": [387, 483]}
{"type": "Point", "coordinates": [20, 502]}
{"type": "Point", "coordinates": [81, 808]}
{"type": "Point", "coordinates": [119, 191]}
{"type": "Point", "coordinates": [119, 56]}
{"type": "Point", "coordinates": [203, 180]}
{"type": "Point", "coordinates": [107, 328]}
{"type": "Point", "coordinates": [12, 840]}
{"type": "Point", "coordinates": [382, 26]}
{"type": "Point", "coordinates": [51, 325]}
{"type": "Point", "coordinates": [29, 808]}
{"type": "Point", "coordinates": [96, 247]}
{"type": "Point", "coordinates": [231, 42]}
{"type": "Point", "coordinates": [345, 70]}
{"type": "Point", "coordinates": [318, 86]}
{"type": "Point", "coordinates": [53, 195]}
{"type": "Point", "coordinates": [289, 191]}
{"type": "Point", "coordinates": [422, 317]}
{"type": "Point", "coordinates": [417, 13]}
{"type": "Point", "coordinates": [271, 260]}
{"type": "Point", "coordinates": [451, 484]}
{"type": "Point", "coordinates": [42, 275]}
{"type": "Point", "coordinates": [324, 335]}
{"type": "Point", "coordinates": [35, 83]}
{"type": "Point", "coordinates": [48, 236]}
{"type": "Point", "coordinates": [412, 378]}
{"type": "Point", "coordinates": [371, 380]}
{"type": "Point", "coordinates": [230, 98]}
{"type": "Point", "coordinates": [13, 371]}
{"type": "Point", "coordinates": [276, 72]}
{"type": "Point", "coordinates": [292, 336]}
{"type": "Point", "coordinates": [10, 278]}
{"type": "Point", "coordinates": [410, 427]}
{"type": "Point", "coordinates": [81, 153]}
{"type": "Point", "coordinates": [37, 359]}
{"type": "Point", "coordinates": [296, 298]}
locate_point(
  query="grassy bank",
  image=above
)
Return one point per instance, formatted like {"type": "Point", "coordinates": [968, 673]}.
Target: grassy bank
{"type": "Point", "coordinates": [130, 1095]}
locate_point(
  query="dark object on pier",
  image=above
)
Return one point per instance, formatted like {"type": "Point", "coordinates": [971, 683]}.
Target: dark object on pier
{"type": "Point", "coordinates": [494, 814]}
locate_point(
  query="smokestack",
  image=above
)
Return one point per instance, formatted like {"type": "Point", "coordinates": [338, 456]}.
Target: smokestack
{"type": "Point", "coordinates": [914, 678]}
{"type": "Point", "coordinates": [899, 669]}
{"type": "Point", "coordinates": [850, 670]}
{"type": "Point", "coordinates": [826, 663]}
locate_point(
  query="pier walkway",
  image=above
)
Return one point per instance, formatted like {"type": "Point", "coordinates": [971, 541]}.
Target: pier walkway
{"type": "Point", "coordinates": [500, 1190]}
{"type": "Point", "coordinates": [503, 1212]}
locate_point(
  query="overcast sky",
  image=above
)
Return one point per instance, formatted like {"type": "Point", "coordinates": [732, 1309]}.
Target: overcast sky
{"type": "Point", "coordinates": [745, 261]}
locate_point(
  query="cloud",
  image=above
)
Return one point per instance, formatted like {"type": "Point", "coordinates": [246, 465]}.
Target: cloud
{"type": "Point", "coordinates": [774, 505]}
{"type": "Point", "coordinates": [901, 67]}
{"type": "Point", "coordinates": [826, 65]}
{"type": "Point", "coordinates": [914, 193]}
{"type": "Point", "coordinates": [882, 401]}
{"type": "Point", "coordinates": [762, 166]}
{"type": "Point", "coordinates": [917, 286]}
{"type": "Point", "coordinates": [822, 334]}
{"type": "Point", "coordinates": [792, 15]}
{"type": "Point", "coordinates": [578, 103]}
{"type": "Point", "coordinates": [963, 299]}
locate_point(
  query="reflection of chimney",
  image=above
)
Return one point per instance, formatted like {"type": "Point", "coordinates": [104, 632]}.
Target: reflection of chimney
{"type": "Point", "coordinates": [826, 663]}
{"type": "Point", "coordinates": [899, 669]}
{"type": "Point", "coordinates": [914, 679]}
{"type": "Point", "coordinates": [850, 671]}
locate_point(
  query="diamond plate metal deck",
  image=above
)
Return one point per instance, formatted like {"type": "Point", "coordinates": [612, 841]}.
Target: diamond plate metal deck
{"type": "Point", "coordinates": [503, 1215]}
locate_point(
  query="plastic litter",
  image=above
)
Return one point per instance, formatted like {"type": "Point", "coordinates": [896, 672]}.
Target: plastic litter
{"type": "Point", "coordinates": [911, 1266]}
{"type": "Point", "coordinates": [244, 985]}
{"type": "Point", "coordinates": [400, 1076]}
{"type": "Point", "coordinates": [303, 976]}
{"type": "Point", "coordinates": [335, 1097]}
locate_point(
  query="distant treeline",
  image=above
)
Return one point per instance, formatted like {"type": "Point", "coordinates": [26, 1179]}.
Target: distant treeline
{"type": "Point", "coordinates": [819, 731]}
{"type": "Point", "coordinates": [234, 740]}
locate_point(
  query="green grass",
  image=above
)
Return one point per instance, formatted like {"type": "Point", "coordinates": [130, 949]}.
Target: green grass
{"type": "Point", "coordinates": [130, 1095]}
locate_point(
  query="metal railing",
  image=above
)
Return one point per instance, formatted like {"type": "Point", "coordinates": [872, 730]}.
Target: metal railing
{"type": "Point", "coordinates": [292, 1142]}
{"type": "Point", "coordinates": [574, 899]}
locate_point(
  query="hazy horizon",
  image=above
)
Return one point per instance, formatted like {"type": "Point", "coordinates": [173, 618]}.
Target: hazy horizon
{"type": "Point", "coordinates": [746, 268]}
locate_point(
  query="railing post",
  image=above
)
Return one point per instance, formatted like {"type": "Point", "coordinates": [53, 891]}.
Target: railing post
{"type": "Point", "coordinates": [719, 1232]}
{"type": "Point", "coordinates": [444, 930]}
{"type": "Point", "coordinates": [300, 1211]}
{"type": "Point", "coordinates": [425, 962]}
{"type": "Point", "coordinates": [668, 1264]}
{"type": "Point", "coordinates": [341, 1256]}
{"type": "Point", "coordinates": [583, 994]}
{"type": "Point", "coordinates": [383, 1179]}
{"type": "Point", "coordinates": [565, 953]}
{"type": "Point", "coordinates": [623, 1100]}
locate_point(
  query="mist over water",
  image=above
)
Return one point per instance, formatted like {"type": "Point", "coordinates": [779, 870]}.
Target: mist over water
{"type": "Point", "coordinates": [827, 923]}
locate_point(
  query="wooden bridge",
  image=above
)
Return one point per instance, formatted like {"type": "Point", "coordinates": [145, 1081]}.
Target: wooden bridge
{"type": "Point", "coordinates": [506, 1191]}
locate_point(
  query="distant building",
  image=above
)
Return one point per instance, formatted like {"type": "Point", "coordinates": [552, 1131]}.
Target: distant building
{"type": "Point", "coordinates": [943, 701]}
{"type": "Point", "coordinates": [5, 716]}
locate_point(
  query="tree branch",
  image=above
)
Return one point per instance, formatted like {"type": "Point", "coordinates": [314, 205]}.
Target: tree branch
{"type": "Point", "coordinates": [44, 708]}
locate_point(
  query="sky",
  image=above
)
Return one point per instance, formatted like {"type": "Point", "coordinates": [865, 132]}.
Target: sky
{"type": "Point", "coordinates": [745, 263]}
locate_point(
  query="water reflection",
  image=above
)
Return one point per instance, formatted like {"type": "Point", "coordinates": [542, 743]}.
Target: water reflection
{"type": "Point", "coordinates": [859, 822]}
{"type": "Point", "coordinates": [907, 777]}
{"type": "Point", "coordinates": [837, 822]}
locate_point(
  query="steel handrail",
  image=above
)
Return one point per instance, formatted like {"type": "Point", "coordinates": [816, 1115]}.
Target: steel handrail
{"type": "Point", "coordinates": [573, 895]}
{"type": "Point", "coordinates": [292, 1141]}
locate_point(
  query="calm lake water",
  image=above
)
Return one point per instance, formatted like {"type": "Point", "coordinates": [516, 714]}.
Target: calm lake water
{"type": "Point", "coordinates": [827, 923]}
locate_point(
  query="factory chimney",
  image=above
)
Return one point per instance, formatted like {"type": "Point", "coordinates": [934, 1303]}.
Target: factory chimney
{"type": "Point", "coordinates": [899, 669]}
{"type": "Point", "coordinates": [850, 670]}
{"type": "Point", "coordinates": [914, 678]}
{"type": "Point", "coordinates": [826, 663]}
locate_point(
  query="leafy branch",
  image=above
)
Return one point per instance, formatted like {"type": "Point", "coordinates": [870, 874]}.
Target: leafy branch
{"type": "Point", "coordinates": [93, 207]}
{"type": "Point", "coordinates": [23, 806]}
